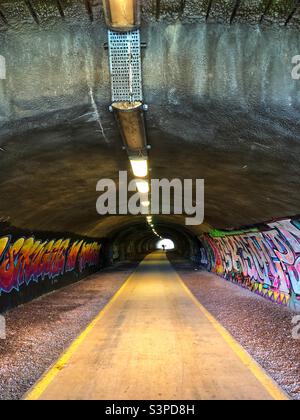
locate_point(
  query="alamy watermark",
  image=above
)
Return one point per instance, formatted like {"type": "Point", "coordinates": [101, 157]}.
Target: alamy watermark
{"type": "Point", "coordinates": [2, 328]}
{"type": "Point", "coordinates": [296, 68]}
{"type": "Point", "coordinates": [2, 68]}
{"type": "Point", "coordinates": [296, 329]}
{"type": "Point", "coordinates": [176, 197]}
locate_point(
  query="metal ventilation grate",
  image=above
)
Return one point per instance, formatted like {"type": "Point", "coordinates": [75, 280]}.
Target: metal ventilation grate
{"type": "Point", "coordinates": [125, 66]}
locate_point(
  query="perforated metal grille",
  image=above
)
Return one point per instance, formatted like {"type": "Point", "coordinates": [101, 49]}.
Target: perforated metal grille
{"type": "Point", "coordinates": [125, 66]}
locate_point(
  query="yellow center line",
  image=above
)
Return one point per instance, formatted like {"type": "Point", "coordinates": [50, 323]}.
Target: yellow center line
{"type": "Point", "coordinates": [272, 388]}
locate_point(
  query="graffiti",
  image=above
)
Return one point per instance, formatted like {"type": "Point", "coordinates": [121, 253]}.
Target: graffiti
{"type": "Point", "coordinates": [266, 262]}
{"type": "Point", "coordinates": [2, 68]}
{"type": "Point", "coordinates": [296, 68]}
{"type": "Point", "coordinates": [89, 256]}
{"type": "Point", "coordinates": [73, 256]}
{"type": "Point", "coordinates": [27, 260]}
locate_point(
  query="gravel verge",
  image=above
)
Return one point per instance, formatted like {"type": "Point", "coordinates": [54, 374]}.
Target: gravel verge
{"type": "Point", "coordinates": [263, 328]}
{"type": "Point", "coordinates": [39, 332]}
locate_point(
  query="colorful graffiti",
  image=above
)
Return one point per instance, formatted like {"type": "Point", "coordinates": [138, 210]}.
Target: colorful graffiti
{"type": "Point", "coordinates": [27, 260]}
{"type": "Point", "coordinates": [266, 262]}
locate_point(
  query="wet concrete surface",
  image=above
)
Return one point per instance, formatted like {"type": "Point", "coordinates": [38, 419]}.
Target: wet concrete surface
{"type": "Point", "coordinates": [38, 332]}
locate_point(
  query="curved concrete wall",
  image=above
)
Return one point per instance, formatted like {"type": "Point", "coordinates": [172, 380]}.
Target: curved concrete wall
{"type": "Point", "coordinates": [184, 65]}
{"type": "Point", "coordinates": [188, 64]}
{"type": "Point", "coordinates": [266, 262]}
{"type": "Point", "coordinates": [52, 71]}
{"type": "Point", "coordinates": [32, 264]}
{"type": "Point", "coordinates": [222, 101]}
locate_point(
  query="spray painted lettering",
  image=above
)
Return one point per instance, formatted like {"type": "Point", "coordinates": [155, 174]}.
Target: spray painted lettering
{"type": "Point", "coordinates": [27, 260]}
{"type": "Point", "coordinates": [266, 262]}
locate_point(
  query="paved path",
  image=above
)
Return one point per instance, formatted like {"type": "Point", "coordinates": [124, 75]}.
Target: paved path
{"type": "Point", "coordinates": [155, 341]}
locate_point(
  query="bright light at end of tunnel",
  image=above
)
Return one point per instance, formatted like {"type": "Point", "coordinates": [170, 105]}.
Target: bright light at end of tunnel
{"type": "Point", "coordinates": [166, 244]}
{"type": "Point", "coordinates": [139, 167]}
{"type": "Point", "coordinates": [145, 203]}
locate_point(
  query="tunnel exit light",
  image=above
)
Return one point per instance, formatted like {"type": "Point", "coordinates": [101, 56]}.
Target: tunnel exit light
{"type": "Point", "coordinates": [145, 203]}
{"type": "Point", "coordinates": [166, 244]}
{"type": "Point", "coordinates": [122, 15]}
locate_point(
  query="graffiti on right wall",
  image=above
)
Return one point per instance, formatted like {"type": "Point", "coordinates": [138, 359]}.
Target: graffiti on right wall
{"type": "Point", "coordinates": [266, 262]}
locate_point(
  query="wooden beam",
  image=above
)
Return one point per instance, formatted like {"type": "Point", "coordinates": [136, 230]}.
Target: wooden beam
{"type": "Point", "coordinates": [293, 11]}
{"type": "Point", "coordinates": [157, 9]}
{"type": "Point", "coordinates": [3, 17]}
{"type": "Point", "coordinates": [268, 7]}
{"type": "Point", "coordinates": [32, 11]}
{"type": "Point", "coordinates": [60, 8]}
{"type": "Point", "coordinates": [235, 10]}
{"type": "Point", "coordinates": [89, 9]}
{"type": "Point", "coordinates": [209, 9]}
{"type": "Point", "coordinates": [182, 7]}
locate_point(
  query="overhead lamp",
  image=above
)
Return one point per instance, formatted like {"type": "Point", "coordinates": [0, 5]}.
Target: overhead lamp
{"type": "Point", "coordinates": [143, 187]}
{"type": "Point", "coordinates": [131, 122]}
{"type": "Point", "coordinates": [122, 15]}
{"type": "Point", "coordinates": [139, 167]}
{"type": "Point", "coordinates": [145, 203]}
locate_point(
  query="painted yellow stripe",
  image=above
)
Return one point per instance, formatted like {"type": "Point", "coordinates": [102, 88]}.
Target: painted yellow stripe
{"type": "Point", "coordinates": [272, 388]}
{"type": "Point", "coordinates": [267, 382]}
{"type": "Point", "coordinates": [40, 387]}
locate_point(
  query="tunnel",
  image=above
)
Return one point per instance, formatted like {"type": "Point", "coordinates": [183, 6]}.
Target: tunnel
{"type": "Point", "coordinates": [125, 124]}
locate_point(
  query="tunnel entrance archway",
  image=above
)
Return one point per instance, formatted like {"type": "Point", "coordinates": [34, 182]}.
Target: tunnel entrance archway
{"type": "Point", "coordinates": [166, 244]}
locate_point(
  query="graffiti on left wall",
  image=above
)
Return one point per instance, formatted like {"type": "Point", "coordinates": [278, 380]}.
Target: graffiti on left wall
{"type": "Point", "coordinates": [26, 260]}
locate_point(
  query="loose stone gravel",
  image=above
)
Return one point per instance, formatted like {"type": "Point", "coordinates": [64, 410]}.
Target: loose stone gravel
{"type": "Point", "coordinates": [263, 328]}
{"type": "Point", "coordinates": [38, 332]}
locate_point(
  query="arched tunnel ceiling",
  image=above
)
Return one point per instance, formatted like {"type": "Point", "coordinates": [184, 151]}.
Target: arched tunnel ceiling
{"type": "Point", "coordinates": [223, 107]}
{"type": "Point", "coordinates": [139, 236]}
{"type": "Point", "coordinates": [24, 12]}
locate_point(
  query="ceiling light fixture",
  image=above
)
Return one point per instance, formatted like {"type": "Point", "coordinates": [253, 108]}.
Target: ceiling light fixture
{"type": "Point", "coordinates": [145, 203]}
{"type": "Point", "coordinates": [131, 121]}
{"type": "Point", "coordinates": [122, 15]}
{"type": "Point", "coordinates": [143, 187]}
{"type": "Point", "coordinates": [139, 167]}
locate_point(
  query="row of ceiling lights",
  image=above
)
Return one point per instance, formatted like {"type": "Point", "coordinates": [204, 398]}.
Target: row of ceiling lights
{"type": "Point", "coordinates": [124, 16]}
{"type": "Point", "coordinates": [150, 223]}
